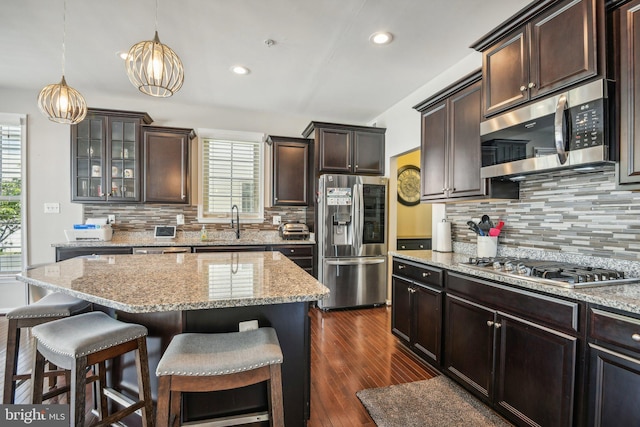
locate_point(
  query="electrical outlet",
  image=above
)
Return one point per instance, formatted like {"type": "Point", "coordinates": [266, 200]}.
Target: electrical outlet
{"type": "Point", "coordinates": [249, 325]}
{"type": "Point", "coordinates": [277, 219]}
{"type": "Point", "coordinates": [52, 208]}
{"type": "Point", "coordinates": [180, 219]}
{"type": "Point", "coordinates": [111, 219]}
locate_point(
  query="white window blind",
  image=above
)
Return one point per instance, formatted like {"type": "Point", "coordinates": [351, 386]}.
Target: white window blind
{"type": "Point", "coordinates": [10, 196]}
{"type": "Point", "coordinates": [231, 175]}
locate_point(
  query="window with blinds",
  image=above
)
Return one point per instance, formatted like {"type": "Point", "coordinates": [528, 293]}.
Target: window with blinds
{"type": "Point", "coordinates": [10, 197]}
{"type": "Point", "coordinates": [231, 175]}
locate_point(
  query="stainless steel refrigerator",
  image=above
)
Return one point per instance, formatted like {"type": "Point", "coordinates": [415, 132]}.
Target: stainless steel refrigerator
{"type": "Point", "coordinates": [352, 240]}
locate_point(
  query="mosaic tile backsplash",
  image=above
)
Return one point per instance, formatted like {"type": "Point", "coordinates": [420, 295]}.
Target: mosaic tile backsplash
{"type": "Point", "coordinates": [579, 213]}
{"type": "Point", "coordinates": [144, 217]}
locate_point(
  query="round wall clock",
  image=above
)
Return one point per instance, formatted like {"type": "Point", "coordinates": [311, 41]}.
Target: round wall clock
{"type": "Point", "coordinates": [409, 185]}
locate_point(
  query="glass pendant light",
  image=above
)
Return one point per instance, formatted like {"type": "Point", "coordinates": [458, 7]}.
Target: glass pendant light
{"type": "Point", "coordinates": [59, 102]}
{"type": "Point", "coordinates": [154, 68]}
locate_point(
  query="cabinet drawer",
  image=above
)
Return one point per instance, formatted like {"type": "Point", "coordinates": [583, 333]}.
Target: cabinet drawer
{"type": "Point", "coordinates": [616, 329]}
{"type": "Point", "coordinates": [294, 250]}
{"type": "Point", "coordinates": [548, 310]}
{"type": "Point", "coordinates": [418, 272]}
{"type": "Point", "coordinates": [413, 244]}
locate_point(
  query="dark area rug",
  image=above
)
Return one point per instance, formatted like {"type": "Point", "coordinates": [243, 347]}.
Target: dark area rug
{"type": "Point", "coordinates": [430, 403]}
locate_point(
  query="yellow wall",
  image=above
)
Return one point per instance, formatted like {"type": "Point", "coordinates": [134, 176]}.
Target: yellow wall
{"type": "Point", "coordinates": [413, 221]}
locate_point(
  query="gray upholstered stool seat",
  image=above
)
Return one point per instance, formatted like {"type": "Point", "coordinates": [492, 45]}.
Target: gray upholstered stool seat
{"type": "Point", "coordinates": [51, 307]}
{"type": "Point", "coordinates": [195, 362]}
{"type": "Point", "coordinates": [76, 343]}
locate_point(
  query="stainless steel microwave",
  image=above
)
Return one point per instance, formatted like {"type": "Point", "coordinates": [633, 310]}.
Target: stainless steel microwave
{"type": "Point", "coordinates": [565, 131]}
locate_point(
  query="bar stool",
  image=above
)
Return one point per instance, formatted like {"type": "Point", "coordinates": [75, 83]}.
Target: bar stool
{"type": "Point", "coordinates": [51, 307]}
{"type": "Point", "coordinates": [76, 343]}
{"type": "Point", "coordinates": [196, 362]}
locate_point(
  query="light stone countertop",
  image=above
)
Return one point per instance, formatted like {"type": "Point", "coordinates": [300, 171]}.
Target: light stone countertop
{"type": "Point", "coordinates": [621, 297]}
{"type": "Point", "coordinates": [171, 282]}
{"type": "Point", "coordinates": [189, 238]}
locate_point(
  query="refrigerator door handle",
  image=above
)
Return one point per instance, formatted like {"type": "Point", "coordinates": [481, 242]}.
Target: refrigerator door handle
{"type": "Point", "coordinates": [359, 220]}
{"type": "Point", "coordinates": [356, 261]}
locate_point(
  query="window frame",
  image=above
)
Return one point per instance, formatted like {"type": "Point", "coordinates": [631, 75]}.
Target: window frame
{"type": "Point", "coordinates": [231, 136]}
{"type": "Point", "coordinates": [20, 120]}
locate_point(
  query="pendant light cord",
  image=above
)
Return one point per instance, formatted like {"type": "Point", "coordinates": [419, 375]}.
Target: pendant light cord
{"type": "Point", "coordinates": [156, 15]}
{"type": "Point", "coordinates": [64, 33]}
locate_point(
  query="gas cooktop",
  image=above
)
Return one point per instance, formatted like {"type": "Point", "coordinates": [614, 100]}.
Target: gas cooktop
{"type": "Point", "coordinates": [555, 273]}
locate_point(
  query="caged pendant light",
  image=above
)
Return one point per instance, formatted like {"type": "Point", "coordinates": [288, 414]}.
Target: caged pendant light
{"type": "Point", "coordinates": [60, 102]}
{"type": "Point", "coordinates": [154, 68]}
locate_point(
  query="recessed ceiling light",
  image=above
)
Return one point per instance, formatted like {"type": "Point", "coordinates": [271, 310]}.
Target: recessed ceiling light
{"type": "Point", "coordinates": [239, 69]}
{"type": "Point", "coordinates": [381, 37]}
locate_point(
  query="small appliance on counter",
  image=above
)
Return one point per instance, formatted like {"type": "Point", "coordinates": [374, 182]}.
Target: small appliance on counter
{"type": "Point", "coordinates": [294, 231]}
{"type": "Point", "coordinates": [93, 229]}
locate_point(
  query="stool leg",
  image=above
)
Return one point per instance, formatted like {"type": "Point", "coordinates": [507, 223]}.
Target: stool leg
{"type": "Point", "coordinates": [78, 390]}
{"type": "Point", "coordinates": [174, 412]}
{"type": "Point", "coordinates": [144, 392]}
{"type": "Point", "coordinates": [99, 396]}
{"type": "Point", "coordinates": [275, 396]}
{"type": "Point", "coordinates": [164, 395]}
{"type": "Point", "coordinates": [11, 362]}
{"type": "Point", "coordinates": [37, 376]}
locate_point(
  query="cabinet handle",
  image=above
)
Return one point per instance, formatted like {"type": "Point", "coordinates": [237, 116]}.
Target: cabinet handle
{"type": "Point", "coordinates": [401, 267]}
{"type": "Point", "coordinates": [532, 85]}
{"type": "Point", "coordinates": [275, 198]}
{"type": "Point", "coordinates": [403, 246]}
{"type": "Point", "coordinates": [411, 290]}
{"type": "Point", "coordinates": [490, 323]}
{"type": "Point", "coordinates": [444, 189]}
{"type": "Point", "coordinates": [498, 325]}
{"type": "Point", "coordinates": [356, 166]}
{"type": "Point", "coordinates": [523, 88]}
{"type": "Point", "coordinates": [348, 166]}
{"type": "Point", "coordinates": [426, 274]}
{"type": "Point", "coordinates": [292, 250]}
{"type": "Point", "coordinates": [421, 246]}
{"type": "Point", "coordinates": [635, 337]}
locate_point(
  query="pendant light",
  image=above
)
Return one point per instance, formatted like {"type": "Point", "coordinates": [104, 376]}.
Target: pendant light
{"type": "Point", "coordinates": [154, 68]}
{"type": "Point", "coordinates": [59, 102]}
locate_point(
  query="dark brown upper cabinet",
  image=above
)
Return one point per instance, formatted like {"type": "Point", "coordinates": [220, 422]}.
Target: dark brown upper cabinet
{"type": "Point", "coordinates": [166, 164]}
{"type": "Point", "coordinates": [347, 149]}
{"type": "Point", "coordinates": [291, 171]}
{"type": "Point", "coordinates": [547, 46]}
{"type": "Point", "coordinates": [628, 77]}
{"type": "Point", "coordinates": [106, 157]}
{"type": "Point", "coordinates": [451, 149]}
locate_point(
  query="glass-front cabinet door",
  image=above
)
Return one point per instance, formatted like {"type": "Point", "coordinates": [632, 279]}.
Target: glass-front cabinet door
{"type": "Point", "coordinates": [124, 174]}
{"type": "Point", "coordinates": [105, 157]}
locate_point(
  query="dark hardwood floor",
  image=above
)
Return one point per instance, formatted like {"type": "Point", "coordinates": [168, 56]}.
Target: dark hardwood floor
{"type": "Point", "coordinates": [351, 350]}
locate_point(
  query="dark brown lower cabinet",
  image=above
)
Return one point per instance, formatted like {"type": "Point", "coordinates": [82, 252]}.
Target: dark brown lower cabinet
{"type": "Point", "coordinates": [614, 370]}
{"type": "Point", "coordinates": [525, 370]}
{"type": "Point", "coordinates": [614, 382]}
{"type": "Point", "coordinates": [72, 252]}
{"type": "Point", "coordinates": [416, 310]}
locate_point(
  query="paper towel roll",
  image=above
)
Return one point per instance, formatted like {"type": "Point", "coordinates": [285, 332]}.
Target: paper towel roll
{"type": "Point", "coordinates": [443, 237]}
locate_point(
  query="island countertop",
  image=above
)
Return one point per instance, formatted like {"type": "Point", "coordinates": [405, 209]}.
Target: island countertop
{"type": "Point", "coordinates": [174, 282]}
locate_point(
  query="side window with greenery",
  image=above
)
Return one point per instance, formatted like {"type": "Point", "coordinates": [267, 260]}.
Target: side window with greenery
{"type": "Point", "coordinates": [10, 198]}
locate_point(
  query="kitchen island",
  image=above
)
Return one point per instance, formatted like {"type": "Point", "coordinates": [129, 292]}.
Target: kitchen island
{"type": "Point", "coordinates": [205, 292]}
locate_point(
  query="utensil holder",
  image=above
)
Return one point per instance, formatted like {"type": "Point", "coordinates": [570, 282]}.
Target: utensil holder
{"type": "Point", "coordinates": [487, 246]}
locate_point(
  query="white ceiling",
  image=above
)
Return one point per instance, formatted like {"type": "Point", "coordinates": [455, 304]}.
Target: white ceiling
{"type": "Point", "coordinates": [322, 65]}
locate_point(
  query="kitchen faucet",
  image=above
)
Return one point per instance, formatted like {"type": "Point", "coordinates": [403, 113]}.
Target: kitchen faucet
{"type": "Point", "coordinates": [237, 220]}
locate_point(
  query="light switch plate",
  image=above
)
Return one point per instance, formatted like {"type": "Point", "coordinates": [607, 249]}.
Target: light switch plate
{"type": "Point", "coordinates": [51, 208]}
{"type": "Point", "coordinates": [180, 219]}
{"type": "Point", "coordinates": [277, 219]}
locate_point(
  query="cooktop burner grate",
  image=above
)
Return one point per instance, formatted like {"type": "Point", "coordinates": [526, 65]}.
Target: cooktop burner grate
{"type": "Point", "coordinates": [551, 272]}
